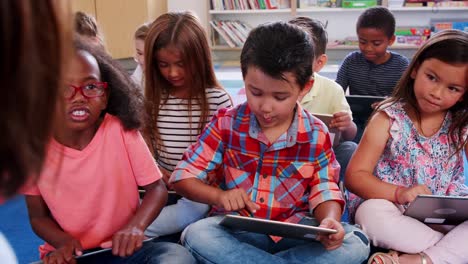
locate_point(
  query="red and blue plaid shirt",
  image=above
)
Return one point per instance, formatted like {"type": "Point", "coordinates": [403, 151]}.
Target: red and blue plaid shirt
{"type": "Point", "coordinates": [282, 177]}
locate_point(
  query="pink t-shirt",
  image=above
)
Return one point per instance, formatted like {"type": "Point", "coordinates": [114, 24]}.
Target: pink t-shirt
{"type": "Point", "coordinates": [93, 193]}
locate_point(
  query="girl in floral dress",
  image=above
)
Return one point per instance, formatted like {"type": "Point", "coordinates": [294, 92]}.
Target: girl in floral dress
{"type": "Point", "coordinates": [414, 145]}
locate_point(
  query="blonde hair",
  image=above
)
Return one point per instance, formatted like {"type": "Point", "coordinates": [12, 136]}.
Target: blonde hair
{"type": "Point", "coordinates": [142, 31]}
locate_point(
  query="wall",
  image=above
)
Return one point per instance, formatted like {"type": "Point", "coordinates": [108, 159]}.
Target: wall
{"type": "Point", "coordinates": [118, 20]}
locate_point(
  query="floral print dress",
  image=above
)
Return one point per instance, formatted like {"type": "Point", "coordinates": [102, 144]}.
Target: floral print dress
{"type": "Point", "coordinates": [410, 158]}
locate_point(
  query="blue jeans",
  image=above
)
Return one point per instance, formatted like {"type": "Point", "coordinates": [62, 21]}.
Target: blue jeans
{"type": "Point", "coordinates": [210, 242]}
{"type": "Point", "coordinates": [175, 217]}
{"type": "Point", "coordinates": [150, 253]}
{"type": "Point", "coordinates": [343, 153]}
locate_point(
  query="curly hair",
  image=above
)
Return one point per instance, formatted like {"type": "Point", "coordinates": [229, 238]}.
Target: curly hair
{"type": "Point", "coordinates": [125, 98]}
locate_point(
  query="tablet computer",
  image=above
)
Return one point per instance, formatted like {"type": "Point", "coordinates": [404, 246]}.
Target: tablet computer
{"type": "Point", "coordinates": [275, 228]}
{"type": "Point", "coordinates": [93, 251]}
{"type": "Point", "coordinates": [438, 209]}
{"type": "Point", "coordinates": [335, 134]}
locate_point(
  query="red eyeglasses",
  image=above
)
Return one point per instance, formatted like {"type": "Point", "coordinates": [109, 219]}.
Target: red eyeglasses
{"type": "Point", "coordinates": [89, 90]}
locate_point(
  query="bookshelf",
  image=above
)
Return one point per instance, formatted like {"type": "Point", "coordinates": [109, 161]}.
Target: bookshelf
{"type": "Point", "coordinates": [340, 23]}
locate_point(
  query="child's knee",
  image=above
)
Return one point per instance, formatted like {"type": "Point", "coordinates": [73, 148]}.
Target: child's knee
{"type": "Point", "coordinates": [356, 241]}
{"type": "Point", "coordinates": [374, 210]}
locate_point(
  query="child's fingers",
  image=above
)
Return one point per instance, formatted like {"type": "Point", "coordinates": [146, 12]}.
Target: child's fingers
{"type": "Point", "coordinates": [251, 206]}
{"type": "Point", "coordinates": [78, 249]}
{"type": "Point", "coordinates": [115, 245]}
{"type": "Point", "coordinates": [106, 244]}
{"type": "Point", "coordinates": [124, 244]}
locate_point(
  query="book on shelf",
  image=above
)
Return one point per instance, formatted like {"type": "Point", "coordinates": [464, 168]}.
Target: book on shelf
{"type": "Point", "coordinates": [244, 4]}
{"type": "Point", "coordinates": [272, 4]}
{"type": "Point", "coordinates": [233, 32]}
{"type": "Point", "coordinates": [441, 24]}
{"type": "Point", "coordinates": [223, 34]}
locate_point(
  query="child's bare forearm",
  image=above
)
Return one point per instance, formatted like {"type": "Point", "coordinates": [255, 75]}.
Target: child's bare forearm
{"type": "Point", "coordinates": [43, 224]}
{"type": "Point", "coordinates": [198, 191]}
{"type": "Point", "coordinates": [154, 200]}
{"type": "Point", "coordinates": [328, 209]}
{"type": "Point", "coordinates": [350, 132]}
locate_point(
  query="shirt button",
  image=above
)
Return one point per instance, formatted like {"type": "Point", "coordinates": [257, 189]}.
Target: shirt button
{"type": "Point", "coordinates": [265, 176]}
{"type": "Point", "coordinates": [262, 200]}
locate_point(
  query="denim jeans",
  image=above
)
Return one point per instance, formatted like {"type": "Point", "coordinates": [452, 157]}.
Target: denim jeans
{"type": "Point", "coordinates": [343, 153]}
{"type": "Point", "coordinates": [210, 242]}
{"type": "Point", "coordinates": [175, 217]}
{"type": "Point", "coordinates": [150, 253]}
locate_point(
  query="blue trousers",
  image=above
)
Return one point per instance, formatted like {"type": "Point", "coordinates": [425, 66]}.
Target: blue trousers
{"type": "Point", "coordinates": [210, 242]}
{"type": "Point", "coordinates": [150, 253]}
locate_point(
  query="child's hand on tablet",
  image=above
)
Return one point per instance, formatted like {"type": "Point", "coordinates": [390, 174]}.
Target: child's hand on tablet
{"type": "Point", "coordinates": [331, 241]}
{"type": "Point", "coordinates": [65, 253]}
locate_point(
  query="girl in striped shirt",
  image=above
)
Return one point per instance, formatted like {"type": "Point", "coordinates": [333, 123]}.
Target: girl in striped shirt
{"type": "Point", "coordinates": [182, 94]}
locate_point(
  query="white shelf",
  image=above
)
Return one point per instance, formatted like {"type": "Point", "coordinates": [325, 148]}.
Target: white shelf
{"type": "Point", "coordinates": [250, 11]}
{"type": "Point", "coordinates": [333, 47]}
{"type": "Point", "coordinates": [333, 10]}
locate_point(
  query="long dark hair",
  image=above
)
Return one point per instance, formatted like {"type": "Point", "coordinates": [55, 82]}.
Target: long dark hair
{"type": "Point", "coordinates": [36, 39]}
{"type": "Point", "coordinates": [449, 46]}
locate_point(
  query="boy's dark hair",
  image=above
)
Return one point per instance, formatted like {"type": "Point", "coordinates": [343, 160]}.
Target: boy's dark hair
{"type": "Point", "coordinates": [125, 98]}
{"type": "Point", "coordinates": [317, 31]}
{"type": "Point", "coordinates": [377, 17]}
{"type": "Point", "coordinates": [279, 47]}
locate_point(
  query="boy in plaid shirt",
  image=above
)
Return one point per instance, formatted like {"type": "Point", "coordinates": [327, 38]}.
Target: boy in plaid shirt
{"type": "Point", "coordinates": [270, 159]}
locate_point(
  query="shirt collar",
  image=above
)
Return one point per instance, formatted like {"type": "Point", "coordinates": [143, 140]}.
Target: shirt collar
{"type": "Point", "coordinates": [246, 122]}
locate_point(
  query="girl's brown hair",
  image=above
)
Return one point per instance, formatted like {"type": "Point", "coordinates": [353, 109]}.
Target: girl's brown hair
{"type": "Point", "coordinates": [449, 46]}
{"type": "Point", "coordinates": [183, 31]}
{"type": "Point", "coordinates": [36, 39]}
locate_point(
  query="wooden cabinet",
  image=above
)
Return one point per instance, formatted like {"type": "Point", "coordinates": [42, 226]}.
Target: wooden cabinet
{"type": "Point", "coordinates": [118, 20]}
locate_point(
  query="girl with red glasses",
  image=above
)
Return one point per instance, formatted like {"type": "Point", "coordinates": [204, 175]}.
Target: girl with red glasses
{"type": "Point", "coordinates": [87, 196]}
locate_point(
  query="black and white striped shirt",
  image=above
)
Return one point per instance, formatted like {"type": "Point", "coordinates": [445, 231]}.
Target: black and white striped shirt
{"type": "Point", "coordinates": [366, 78]}
{"type": "Point", "coordinates": [178, 130]}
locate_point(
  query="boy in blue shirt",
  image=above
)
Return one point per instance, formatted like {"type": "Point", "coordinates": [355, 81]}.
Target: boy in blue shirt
{"type": "Point", "coordinates": [373, 70]}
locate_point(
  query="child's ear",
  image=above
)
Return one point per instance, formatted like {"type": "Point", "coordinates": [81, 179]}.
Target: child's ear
{"type": "Point", "coordinates": [307, 88]}
{"type": "Point", "coordinates": [414, 71]}
{"type": "Point", "coordinates": [391, 40]}
{"type": "Point", "coordinates": [320, 62]}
